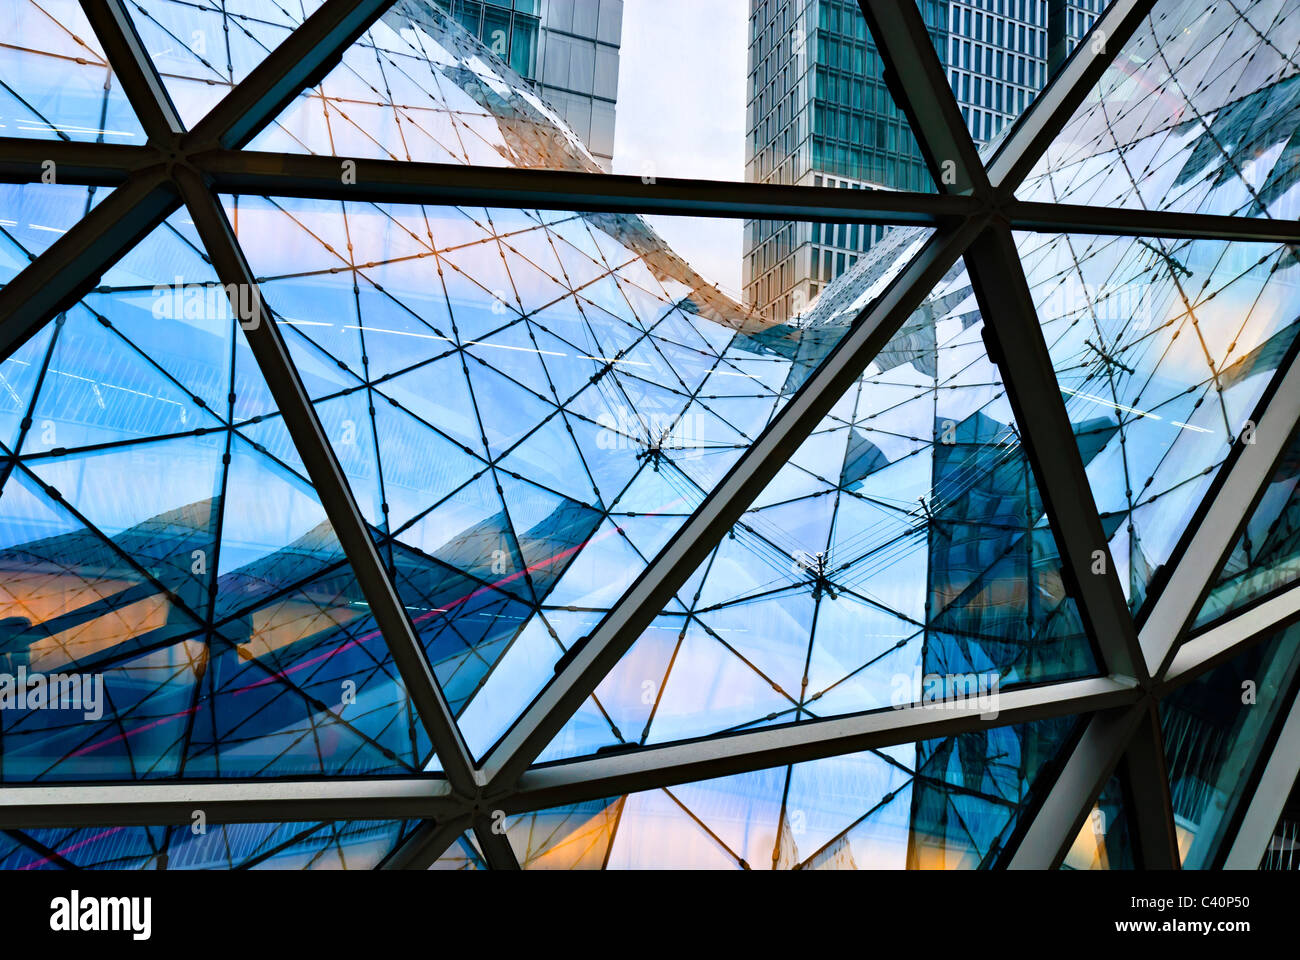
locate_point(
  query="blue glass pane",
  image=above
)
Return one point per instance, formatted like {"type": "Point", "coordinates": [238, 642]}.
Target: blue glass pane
{"type": "Point", "coordinates": [461, 855]}
{"type": "Point", "coordinates": [940, 804]}
{"type": "Point", "coordinates": [336, 845]}
{"type": "Point", "coordinates": [1217, 729]}
{"type": "Point", "coordinates": [1162, 350]}
{"type": "Point", "coordinates": [1266, 557]}
{"type": "Point", "coordinates": [32, 217]}
{"type": "Point", "coordinates": [1283, 851]}
{"type": "Point", "coordinates": [1104, 841]}
{"type": "Point", "coordinates": [55, 81]}
{"type": "Point", "coordinates": [202, 50]}
{"type": "Point", "coordinates": [1198, 113]}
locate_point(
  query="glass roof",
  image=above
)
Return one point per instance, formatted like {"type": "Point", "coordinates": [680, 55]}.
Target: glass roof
{"type": "Point", "coordinates": [55, 82]}
{"type": "Point", "coordinates": [1210, 741]}
{"type": "Point", "coordinates": [417, 86]}
{"type": "Point", "coordinates": [1197, 113]}
{"type": "Point", "coordinates": [337, 845]}
{"type": "Point", "coordinates": [941, 804]}
{"type": "Point", "coordinates": [210, 595]}
{"type": "Point", "coordinates": [904, 538]}
{"type": "Point", "coordinates": [1162, 350]}
{"type": "Point", "coordinates": [202, 48]}
{"type": "Point", "coordinates": [527, 405]}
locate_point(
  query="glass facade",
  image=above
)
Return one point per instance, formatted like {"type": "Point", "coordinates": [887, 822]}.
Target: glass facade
{"type": "Point", "coordinates": [568, 48]}
{"type": "Point", "coordinates": [820, 114]}
{"type": "Point", "coordinates": [1284, 848]}
{"type": "Point", "coordinates": [1265, 557]}
{"type": "Point", "coordinates": [1212, 744]}
{"type": "Point", "coordinates": [530, 408]}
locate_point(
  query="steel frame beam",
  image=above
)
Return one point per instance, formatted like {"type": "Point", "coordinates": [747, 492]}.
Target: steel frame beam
{"type": "Point", "coordinates": [993, 264]}
{"type": "Point", "coordinates": [301, 61]}
{"type": "Point", "coordinates": [134, 69]}
{"type": "Point", "coordinates": [1054, 825]}
{"type": "Point", "coordinates": [330, 482]}
{"type": "Point", "coordinates": [1152, 808]}
{"type": "Point", "coordinates": [1052, 108]}
{"type": "Point", "coordinates": [1223, 640]}
{"type": "Point", "coordinates": [1053, 218]}
{"type": "Point", "coordinates": [430, 840]}
{"type": "Point", "coordinates": [973, 203]}
{"type": "Point", "coordinates": [158, 802]}
{"type": "Point", "coordinates": [1015, 341]}
{"type": "Point", "coordinates": [919, 86]}
{"type": "Point", "coordinates": [708, 757]}
{"type": "Point", "coordinates": [91, 164]}
{"type": "Point", "coordinates": [73, 264]}
{"type": "Point", "coordinates": [1021, 354]}
{"type": "Point", "coordinates": [399, 181]}
{"type": "Point", "coordinates": [494, 845]}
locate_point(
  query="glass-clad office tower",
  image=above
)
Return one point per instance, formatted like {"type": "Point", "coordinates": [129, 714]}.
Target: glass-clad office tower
{"type": "Point", "coordinates": [1000, 54]}
{"type": "Point", "coordinates": [568, 48]}
{"type": "Point", "coordinates": [349, 477]}
{"type": "Point", "coordinates": [821, 114]}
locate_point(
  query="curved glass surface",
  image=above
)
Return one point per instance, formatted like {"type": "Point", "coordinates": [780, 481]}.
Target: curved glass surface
{"type": "Point", "coordinates": [528, 405]}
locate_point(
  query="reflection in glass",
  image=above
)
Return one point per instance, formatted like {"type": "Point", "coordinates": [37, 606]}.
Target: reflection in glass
{"type": "Point", "coordinates": [1216, 729]}
{"type": "Point", "coordinates": [1266, 557]}
{"type": "Point", "coordinates": [337, 845]}
{"type": "Point", "coordinates": [943, 804]}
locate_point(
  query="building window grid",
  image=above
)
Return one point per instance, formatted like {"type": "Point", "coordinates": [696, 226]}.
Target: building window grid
{"type": "Point", "coordinates": [996, 56]}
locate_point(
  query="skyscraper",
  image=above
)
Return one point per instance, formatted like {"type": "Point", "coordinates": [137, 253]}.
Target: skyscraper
{"type": "Point", "coordinates": [820, 114]}
{"type": "Point", "coordinates": [568, 48]}
{"type": "Point", "coordinates": [999, 54]}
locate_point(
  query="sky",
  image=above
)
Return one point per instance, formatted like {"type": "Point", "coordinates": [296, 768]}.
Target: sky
{"type": "Point", "coordinates": [681, 113]}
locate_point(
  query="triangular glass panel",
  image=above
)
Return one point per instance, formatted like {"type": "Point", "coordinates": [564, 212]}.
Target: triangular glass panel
{"type": "Point", "coordinates": [58, 83]}
{"type": "Point", "coordinates": [1266, 557]}
{"type": "Point", "coordinates": [1213, 747]}
{"type": "Point", "coordinates": [1105, 841]}
{"type": "Point", "coordinates": [202, 50]}
{"type": "Point", "coordinates": [1198, 113]}
{"type": "Point", "coordinates": [1162, 349]}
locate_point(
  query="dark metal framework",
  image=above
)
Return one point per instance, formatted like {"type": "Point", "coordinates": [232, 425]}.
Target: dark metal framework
{"type": "Point", "coordinates": [973, 216]}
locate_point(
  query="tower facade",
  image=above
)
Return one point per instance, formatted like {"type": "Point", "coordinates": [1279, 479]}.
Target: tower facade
{"type": "Point", "coordinates": [567, 48]}
{"type": "Point", "coordinates": [819, 114]}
